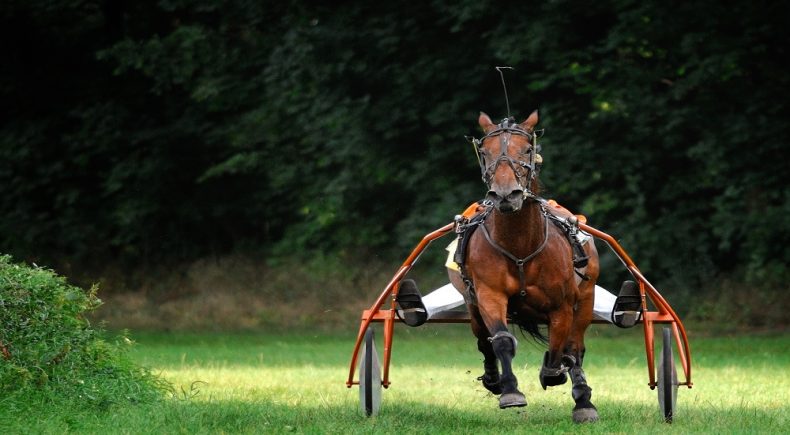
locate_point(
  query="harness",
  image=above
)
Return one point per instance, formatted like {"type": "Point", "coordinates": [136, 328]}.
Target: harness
{"type": "Point", "coordinates": [525, 172]}
{"type": "Point", "coordinates": [522, 279]}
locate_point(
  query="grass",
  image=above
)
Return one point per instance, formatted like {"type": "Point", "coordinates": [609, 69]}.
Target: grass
{"type": "Point", "coordinates": [295, 382]}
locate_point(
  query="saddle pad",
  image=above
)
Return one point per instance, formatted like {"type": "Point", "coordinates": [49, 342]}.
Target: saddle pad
{"type": "Point", "coordinates": [450, 263]}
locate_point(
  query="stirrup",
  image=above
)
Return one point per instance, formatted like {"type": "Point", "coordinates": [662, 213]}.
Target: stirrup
{"type": "Point", "coordinates": [627, 309]}
{"type": "Point", "coordinates": [410, 310]}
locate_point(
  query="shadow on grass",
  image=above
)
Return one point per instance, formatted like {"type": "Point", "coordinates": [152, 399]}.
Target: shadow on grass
{"type": "Point", "coordinates": [233, 416]}
{"type": "Point", "coordinates": [306, 402]}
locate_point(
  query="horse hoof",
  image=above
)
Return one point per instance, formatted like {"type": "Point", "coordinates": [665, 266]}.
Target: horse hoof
{"type": "Point", "coordinates": [585, 415]}
{"type": "Point", "coordinates": [510, 400]}
{"type": "Point", "coordinates": [552, 380]}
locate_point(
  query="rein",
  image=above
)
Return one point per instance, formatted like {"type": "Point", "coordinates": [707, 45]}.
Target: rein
{"type": "Point", "coordinates": [520, 261]}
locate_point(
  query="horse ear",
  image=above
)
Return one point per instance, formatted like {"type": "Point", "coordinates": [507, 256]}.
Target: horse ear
{"type": "Point", "coordinates": [531, 121]}
{"type": "Point", "coordinates": [485, 121]}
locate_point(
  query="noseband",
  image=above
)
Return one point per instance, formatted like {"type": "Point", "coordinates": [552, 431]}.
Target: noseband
{"type": "Point", "coordinates": [525, 170]}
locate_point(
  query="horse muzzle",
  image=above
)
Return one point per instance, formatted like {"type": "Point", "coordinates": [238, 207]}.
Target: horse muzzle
{"type": "Point", "coordinates": [506, 202]}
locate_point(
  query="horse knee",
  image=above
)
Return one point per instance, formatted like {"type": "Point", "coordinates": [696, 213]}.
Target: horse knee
{"type": "Point", "coordinates": [504, 344]}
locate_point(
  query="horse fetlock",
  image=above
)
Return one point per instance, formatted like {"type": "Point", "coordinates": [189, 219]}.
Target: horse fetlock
{"type": "Point", "coordinates": [509, 381]}
{"type": "Point", "coordinates": [581, 393]}
{"type": "Point", "coordinates": [491, 382]}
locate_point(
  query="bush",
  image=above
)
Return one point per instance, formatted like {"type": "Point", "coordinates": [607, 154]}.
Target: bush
{"type": "Point", "coordinates": [47, 344]}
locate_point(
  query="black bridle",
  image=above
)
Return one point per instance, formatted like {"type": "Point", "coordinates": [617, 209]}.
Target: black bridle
{"type": "Point", "coordinates": [525, 170]}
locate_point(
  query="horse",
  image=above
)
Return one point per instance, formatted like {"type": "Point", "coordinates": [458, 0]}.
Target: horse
{"type": "Point", "coordinates": [519, 268]}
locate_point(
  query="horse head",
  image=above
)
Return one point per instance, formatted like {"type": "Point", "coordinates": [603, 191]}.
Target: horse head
{"type": "Point", "coordinates": [513, 144]}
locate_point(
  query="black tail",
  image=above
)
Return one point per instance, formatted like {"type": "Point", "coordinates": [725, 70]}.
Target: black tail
{"type": "Point", "coordinates": [529, 326]}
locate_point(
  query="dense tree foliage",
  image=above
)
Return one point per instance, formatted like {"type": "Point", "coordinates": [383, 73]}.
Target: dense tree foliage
{"type": "Point", "coordinates": [142, 132]}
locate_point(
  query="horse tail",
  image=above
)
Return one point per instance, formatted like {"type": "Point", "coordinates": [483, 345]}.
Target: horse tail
{"type": "Point", "coordinates": [529, 326]}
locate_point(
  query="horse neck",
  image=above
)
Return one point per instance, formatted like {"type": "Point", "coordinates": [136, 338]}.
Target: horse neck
{"type": "Point", "coordinates": [521, 232]}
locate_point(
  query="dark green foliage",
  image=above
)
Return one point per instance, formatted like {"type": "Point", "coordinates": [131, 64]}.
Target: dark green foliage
{"type": "Point", "coordinates": [147, 132]}
{"type": "Point", "coordinates": [46, 345]}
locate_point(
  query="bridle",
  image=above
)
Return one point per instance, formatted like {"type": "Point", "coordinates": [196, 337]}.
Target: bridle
{"type": "Point", "coordinates": [524, 170]}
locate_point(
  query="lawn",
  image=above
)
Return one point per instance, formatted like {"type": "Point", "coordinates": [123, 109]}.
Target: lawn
{"type": "Point", "coordinates": [295, 382]}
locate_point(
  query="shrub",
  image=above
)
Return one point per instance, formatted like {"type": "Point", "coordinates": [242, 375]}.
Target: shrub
{"type": "Point", "coordinates": [47, 344]}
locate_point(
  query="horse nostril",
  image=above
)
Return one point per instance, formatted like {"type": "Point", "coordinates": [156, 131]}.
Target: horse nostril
{"type": "Point", "coordinates": [492, 196]}
{"type": "Point", "coordinates": [515, 195]}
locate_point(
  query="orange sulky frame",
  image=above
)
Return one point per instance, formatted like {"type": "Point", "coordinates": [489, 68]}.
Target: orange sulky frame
{"type": "Point", "coordinates": [664, 313]}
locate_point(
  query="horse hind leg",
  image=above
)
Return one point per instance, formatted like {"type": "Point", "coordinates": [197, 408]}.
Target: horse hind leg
{"type": "Point", "coordinates": [584, 411]}
{"type": "Point", "coordinates": [557, 362]}
{"type": "Point", "coordinates": [490, 377]}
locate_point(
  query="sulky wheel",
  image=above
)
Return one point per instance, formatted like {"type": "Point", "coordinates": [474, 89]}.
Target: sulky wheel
{"type": "Point", "coordinates": [667, 379]}
{"type": "Point", "coordinates": [369, 377]}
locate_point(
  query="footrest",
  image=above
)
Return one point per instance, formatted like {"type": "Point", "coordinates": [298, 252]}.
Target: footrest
{"type": "Point", "coordinates": [411, 309]}
{"type": "Point", "coordinates": [627, 310]}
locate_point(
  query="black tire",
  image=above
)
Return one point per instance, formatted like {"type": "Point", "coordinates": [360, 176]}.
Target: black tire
{"type": "Point", "coordinates": [369, 377]}
{"type": "Point", "coordinates": [667, 381]}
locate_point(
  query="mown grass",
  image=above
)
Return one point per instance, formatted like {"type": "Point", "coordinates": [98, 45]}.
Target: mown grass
{"type": "Point", "coordinates": [295, 382]}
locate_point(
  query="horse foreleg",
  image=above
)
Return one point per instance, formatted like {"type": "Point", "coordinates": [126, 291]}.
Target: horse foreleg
{"type": "Point", "coordinates": [556, 363]}
{"type": "Point", "coordinates": [493, 313]}
{"type": "Point", "coordinates": [584, 411]}
{"type": "Point", "coordinates": [504, 344]}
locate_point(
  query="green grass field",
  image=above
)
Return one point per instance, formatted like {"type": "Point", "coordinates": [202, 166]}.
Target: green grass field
{"type": "Point", "coordinates": [295, 382]}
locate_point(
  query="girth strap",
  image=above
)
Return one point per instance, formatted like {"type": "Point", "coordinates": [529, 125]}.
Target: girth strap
{"type": "Point", "coordinates": [520, 261]}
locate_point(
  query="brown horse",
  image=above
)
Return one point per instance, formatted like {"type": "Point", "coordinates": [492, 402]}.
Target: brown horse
{"type": "Point", "coordinates": [519, 268]}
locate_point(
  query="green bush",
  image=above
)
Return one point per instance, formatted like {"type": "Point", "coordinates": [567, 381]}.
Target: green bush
{"type": "Point", "coordinates": [47, 345]}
